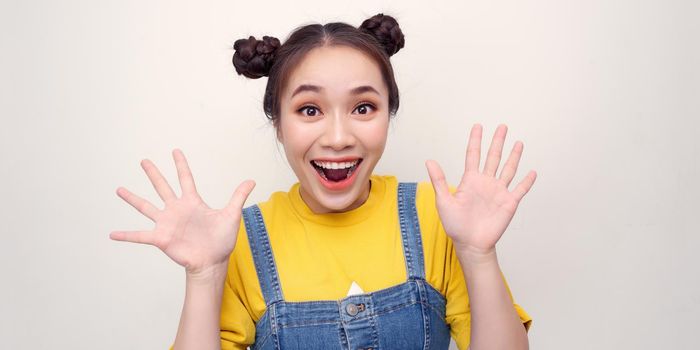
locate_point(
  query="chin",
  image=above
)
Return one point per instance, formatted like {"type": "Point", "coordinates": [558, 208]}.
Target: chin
{"type": "Point", "coordinates": [338, 201]}
{"type": "Point", "coordinates": [340, 204]}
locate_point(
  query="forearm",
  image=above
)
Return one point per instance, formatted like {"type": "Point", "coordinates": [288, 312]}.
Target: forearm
{"type": "Point", "coordinates": [494, 322]}
{"type": "Point", "coordinates": [201, 312]}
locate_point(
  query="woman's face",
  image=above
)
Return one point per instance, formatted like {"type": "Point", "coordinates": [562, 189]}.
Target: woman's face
{"type": "Point", "coordinates": [333, 125]}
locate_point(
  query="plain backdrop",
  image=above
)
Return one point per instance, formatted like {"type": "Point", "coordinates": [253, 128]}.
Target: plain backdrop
{"type": "Point", "coordinates": [604, 95]}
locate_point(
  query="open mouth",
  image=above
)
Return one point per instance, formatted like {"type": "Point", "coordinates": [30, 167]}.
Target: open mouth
{"type": "Point", "coordinates": [336, 171]}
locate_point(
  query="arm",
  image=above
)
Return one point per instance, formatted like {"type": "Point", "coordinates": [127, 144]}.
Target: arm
{"type": "Point", "coordinates": [475, 217]}
{"type": "Point", "coordinates": [196, 237]}
{"type": "Point", "coordinates": [201, 312]}
{"type": "Point", "coordinates": [495, 324]}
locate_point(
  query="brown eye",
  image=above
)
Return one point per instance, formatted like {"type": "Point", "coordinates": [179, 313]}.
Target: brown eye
{"type": "Point", "coordinates": [364, 108]}
{"type": "Point", "coordinates": [309, 111]}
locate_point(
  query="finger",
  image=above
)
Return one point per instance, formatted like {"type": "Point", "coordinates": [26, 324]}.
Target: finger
{"type": "Point", "coordinates": [524, 186]}
{"type": "Point", "coordinates": [511, 166]}
{"type": "Point", "coordinates": [473, 149]}
{"type": "Point", "coordinates": [235, 204]}
{"type": "Point", "coordinates": [437, 178]}
{"type": "Point", "coordinates": [493, 158]}
{"type": "Point", "coordinates": [142, 237]}
{"type": "Point", "coordinates": [184, 173]}
{"type": "Point", "coordinates": [159, 183]}
{"type": "Point", "coordinates": [142, 205]}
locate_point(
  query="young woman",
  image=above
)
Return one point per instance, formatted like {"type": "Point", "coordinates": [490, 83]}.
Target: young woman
{"type": "Point", "coordinates": [346, 259]}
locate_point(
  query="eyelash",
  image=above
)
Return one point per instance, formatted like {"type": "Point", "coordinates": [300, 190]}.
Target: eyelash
{"type": "Point", "coordinates": [301, 110]}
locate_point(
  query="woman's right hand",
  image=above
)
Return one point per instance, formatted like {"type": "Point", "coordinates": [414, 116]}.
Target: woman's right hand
{"type": "Point", "coordinates": [187, 229]}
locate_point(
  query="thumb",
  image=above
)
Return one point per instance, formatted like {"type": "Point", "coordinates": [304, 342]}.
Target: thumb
{"type": "Point", "coordinates": [235, 204]}
{"type": "Point", "coordinates": [437, 178]}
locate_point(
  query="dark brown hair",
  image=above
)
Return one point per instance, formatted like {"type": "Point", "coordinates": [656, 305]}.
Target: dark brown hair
{"type": "Point", "coordinates": [379, 36]}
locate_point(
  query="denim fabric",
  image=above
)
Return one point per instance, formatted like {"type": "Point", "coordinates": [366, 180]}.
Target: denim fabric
{"type": "Point", "coordinates": [410, 315]}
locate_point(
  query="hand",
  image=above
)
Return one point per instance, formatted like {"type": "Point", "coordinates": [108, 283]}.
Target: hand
{"type": "Point", "coordinates": [478, 213]}
{"type": "Point", "coordinates": [187, 230]}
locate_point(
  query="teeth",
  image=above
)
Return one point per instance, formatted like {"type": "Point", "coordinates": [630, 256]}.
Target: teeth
{"type": "Point", "coordinates": [335, 165]}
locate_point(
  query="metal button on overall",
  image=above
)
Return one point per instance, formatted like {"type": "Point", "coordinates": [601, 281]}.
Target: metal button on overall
{"type": "Point", "coordinates": [351, 309]}
{"type": "Point", "coordinates": [354, 309]}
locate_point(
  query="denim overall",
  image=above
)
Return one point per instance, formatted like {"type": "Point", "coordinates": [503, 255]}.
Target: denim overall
{"type": "Point", "coordinates": [410, 315]}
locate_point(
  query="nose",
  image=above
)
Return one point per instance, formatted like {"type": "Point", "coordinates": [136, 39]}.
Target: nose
{"type": "Point", "coordinates": [338, 134]}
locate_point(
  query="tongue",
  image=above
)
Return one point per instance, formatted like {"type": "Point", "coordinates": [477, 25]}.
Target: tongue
{"type": "Point", "coordinates": [336, 174]}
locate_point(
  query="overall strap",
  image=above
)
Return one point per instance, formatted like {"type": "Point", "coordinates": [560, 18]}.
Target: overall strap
{"type": "Point", "coordinates": [262, 254]}
{"type": "Point", "coordinates": [410, 231]}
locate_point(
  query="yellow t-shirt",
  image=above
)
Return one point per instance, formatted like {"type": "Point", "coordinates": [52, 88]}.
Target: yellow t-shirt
{"type": "Point", "coordinates": [319, 256]}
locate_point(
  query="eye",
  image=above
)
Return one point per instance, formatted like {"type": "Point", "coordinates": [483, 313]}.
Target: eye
{"type": "Point", "coordinates": [309, 111]}
{"type": "Point", "coordinates": [364, 108]}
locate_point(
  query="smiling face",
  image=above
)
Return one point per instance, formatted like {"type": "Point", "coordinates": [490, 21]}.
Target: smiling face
{"type": "Point", "coordinates": [334, 119]}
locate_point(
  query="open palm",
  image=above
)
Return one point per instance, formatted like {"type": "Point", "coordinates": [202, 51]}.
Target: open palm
{"type": "Point", "coordinates": [477, 214]}
{"type": "Point", "coordinates": [187, 230]}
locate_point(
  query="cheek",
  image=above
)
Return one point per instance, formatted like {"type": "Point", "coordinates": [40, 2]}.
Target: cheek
{"type": "Point", "coordinates": [296, 139]}
{"type": "Point", "coordinates": [375, 135]}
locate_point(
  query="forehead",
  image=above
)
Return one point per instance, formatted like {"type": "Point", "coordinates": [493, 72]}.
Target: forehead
{"type": "Point", "coordinates": [338, 68]}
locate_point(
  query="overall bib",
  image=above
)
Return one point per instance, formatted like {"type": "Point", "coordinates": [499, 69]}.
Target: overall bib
{"type": "Point", "coordinates": [410, 315]}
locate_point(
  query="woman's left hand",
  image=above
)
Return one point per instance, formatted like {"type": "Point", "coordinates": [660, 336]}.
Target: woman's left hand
{"type": "Point", "coordinates": [481, 208]}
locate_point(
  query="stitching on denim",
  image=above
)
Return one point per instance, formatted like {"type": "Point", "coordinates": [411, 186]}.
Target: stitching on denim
{"type": "Point", "coordinates": [437, 311]}
{"type": "Point", "coordinates": [272, 277]}
{"type": "Point", "coordinates": [259, 344]}
{"type": "Point", "coordinates": [379, 331]}
{"type": "Point", "coordinates": [389, 309]}
{"type": "Point", "coordinates": [405, 229]}
{"type": "Point", "coordinates": [251, 230]}
{"type": "Point", "coordinates": [377, 310]}
{"type": "Point", "coordinates": [308, 324]}
{"type": "Point", "coordinates": [345, 338]}
{"type": "Point", "coordinates": [437, 293]}
{"type": "Point", "coordinates": [417, 241]}
{"type": "Point", "coordinates": [410, 230]}
{"type": "Point", "coordinates": [275, 329]}
{"type": "Point", "coordinates": [375, 335]}
{"type": "Point", "coordinates": [272, 317]}
{"type": "Point", "coordinates": [377, 313]}
{"type": "Point", "coordinates": [424, 314]}
{"type": "Point", "coordinates": [440, 309]}
{"type": "Point", "coordinates": [315, 302]}
{"type": "Point", "coordinates": [262, 336]}
{"type": "Point", "coordinates": [402, 224]}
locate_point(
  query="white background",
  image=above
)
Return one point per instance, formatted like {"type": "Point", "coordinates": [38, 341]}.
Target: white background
{"type": "Point", "coordinates": [604, 94]}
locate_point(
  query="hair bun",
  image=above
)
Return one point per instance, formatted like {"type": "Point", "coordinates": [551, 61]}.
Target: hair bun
{"type": "Point", "coordinates": [253, 58]}
{"type": "Point", "coordinates": [386, 30]}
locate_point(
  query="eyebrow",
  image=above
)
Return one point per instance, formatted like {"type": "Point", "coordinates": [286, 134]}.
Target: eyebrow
{"type": "Point", "coordinates": [314, 88]}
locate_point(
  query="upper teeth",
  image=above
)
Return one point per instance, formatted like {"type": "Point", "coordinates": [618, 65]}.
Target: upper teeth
{"type": "Point", "coordinates": [335, 165]}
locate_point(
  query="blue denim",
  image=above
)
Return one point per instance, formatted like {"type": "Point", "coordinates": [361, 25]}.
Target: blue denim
{"type": "Point", "coordinates": [410, 315]}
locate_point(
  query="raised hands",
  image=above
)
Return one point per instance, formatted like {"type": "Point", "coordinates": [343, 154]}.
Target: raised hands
{"type": "Point", "coordinates": [187, 229]}
{"type": "Point", "coordinates": [481, 208]}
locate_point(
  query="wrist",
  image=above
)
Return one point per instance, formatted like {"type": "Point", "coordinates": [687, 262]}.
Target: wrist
{"type": "Point", "coordinates": [471, 258]}
{"type": "Point", "coordinates": [213, 273]}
